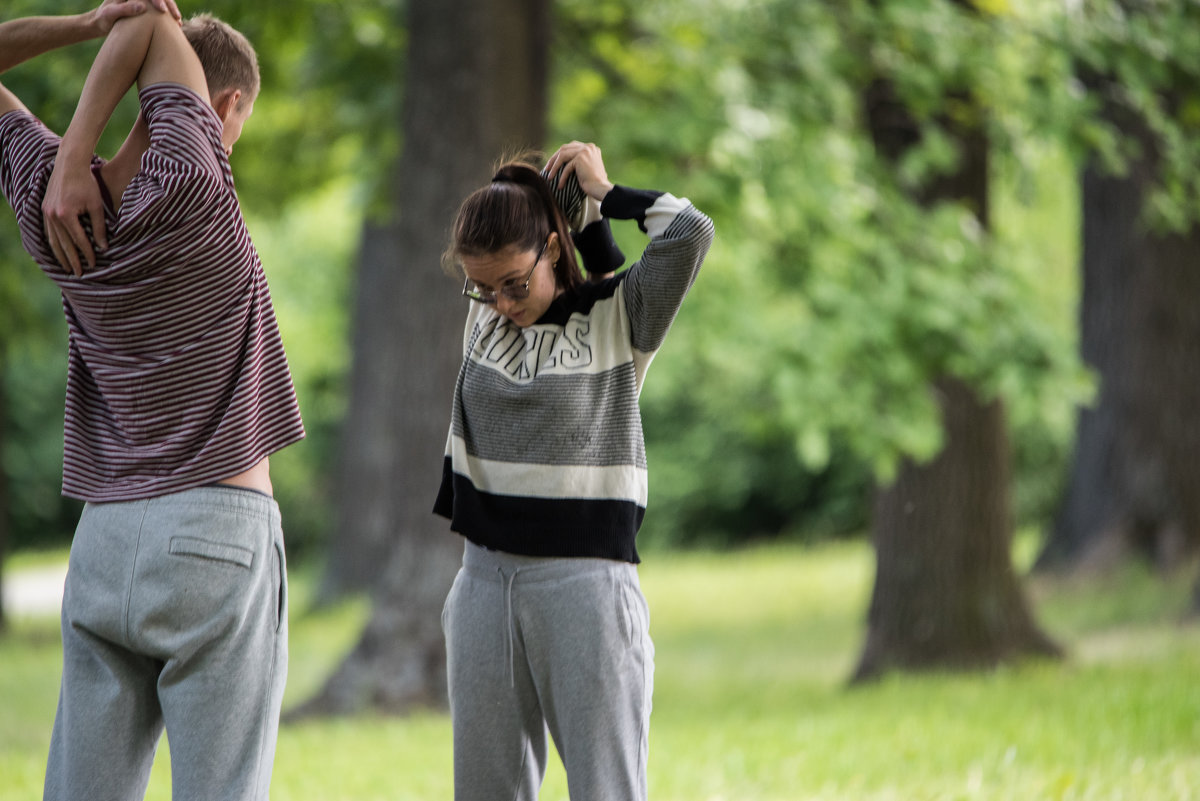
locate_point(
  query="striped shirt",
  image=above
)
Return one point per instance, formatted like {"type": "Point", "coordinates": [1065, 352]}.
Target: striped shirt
{"type": "Point", "coordinates": [176, 375]}
{"type": "Point", "coordinates": [545, 455]}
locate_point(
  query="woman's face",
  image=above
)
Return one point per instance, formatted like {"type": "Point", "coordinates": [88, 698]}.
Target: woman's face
{"type": "Point", "coordinates": [509, 269]}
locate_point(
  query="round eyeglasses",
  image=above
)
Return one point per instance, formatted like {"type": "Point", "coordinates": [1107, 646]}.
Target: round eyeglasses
{"type": "Point", "coordinates": [517, 289]}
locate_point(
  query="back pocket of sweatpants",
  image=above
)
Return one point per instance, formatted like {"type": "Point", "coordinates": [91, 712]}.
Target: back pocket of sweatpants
{"type": "Point", "coordinates": [217, 551]}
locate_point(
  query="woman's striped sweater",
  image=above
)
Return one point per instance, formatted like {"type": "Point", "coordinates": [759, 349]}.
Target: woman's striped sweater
{"type": "Point", "coordinates": [545, 455]}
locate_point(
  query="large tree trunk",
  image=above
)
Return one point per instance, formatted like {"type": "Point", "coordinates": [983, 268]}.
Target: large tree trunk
{"type": "Point", "coordinates": [945, 594]}
{"type": "Point", "coordinates": [1134, 485]}
{"type": "Point", "coordinates": [475, 89]}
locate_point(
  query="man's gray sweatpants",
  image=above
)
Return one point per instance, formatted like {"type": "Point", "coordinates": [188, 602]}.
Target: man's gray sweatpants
{"type": "Point", "coordinates": [559, 644]}
{"type": "Point", "coordinates": [175, 613]}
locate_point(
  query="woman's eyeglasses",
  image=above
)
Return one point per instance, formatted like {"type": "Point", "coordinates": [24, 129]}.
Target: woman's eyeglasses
{"type": "Point", "coordinates": [513, 290]}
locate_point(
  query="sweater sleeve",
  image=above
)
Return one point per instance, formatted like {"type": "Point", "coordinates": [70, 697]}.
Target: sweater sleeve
{"type": "Point", "coordinates": [598, 249]}
{"type": "Point", "coordinates": [656, 284]}
{"type": "Point", "coordinates": [590, 232]}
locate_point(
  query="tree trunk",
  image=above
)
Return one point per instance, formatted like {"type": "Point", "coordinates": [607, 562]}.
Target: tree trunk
{"type": "Point", "coordinates": [475, 89]}
{"type": "Point", "coordinates": [1134, 485]}
{"type": "Point", "coordinates": [946, 595]}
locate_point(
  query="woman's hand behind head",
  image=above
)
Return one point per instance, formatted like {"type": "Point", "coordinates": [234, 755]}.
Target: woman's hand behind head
{"type": "Point", "coordinates": [585, 162]}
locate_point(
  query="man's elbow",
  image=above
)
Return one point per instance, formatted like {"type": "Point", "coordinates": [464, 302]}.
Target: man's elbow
{"type": "Point", "coordinates": [134, 34]}
{"type": "Point", "coordinates": [169, 57]}
{"type": "Point", "coordinates": [9, 101]}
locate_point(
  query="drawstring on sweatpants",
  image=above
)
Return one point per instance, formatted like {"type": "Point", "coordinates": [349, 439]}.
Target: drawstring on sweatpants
{"type": "Point", "coordinates": [510, 625]}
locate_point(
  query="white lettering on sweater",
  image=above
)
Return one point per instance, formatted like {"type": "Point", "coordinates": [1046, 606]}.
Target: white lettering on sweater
{"type": "Point", "coordinates": [523, 353]}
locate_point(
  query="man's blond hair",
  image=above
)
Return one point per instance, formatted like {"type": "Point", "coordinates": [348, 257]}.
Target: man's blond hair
{"type": "Point", "coordinates": [228, 58]}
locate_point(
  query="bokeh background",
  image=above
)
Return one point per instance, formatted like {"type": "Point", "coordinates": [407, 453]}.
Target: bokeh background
{"type": "Point", "coordinates": [925, 427]}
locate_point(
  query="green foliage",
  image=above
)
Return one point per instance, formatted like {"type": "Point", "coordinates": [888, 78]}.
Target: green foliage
{"type": "Point", "coordinates": [1138, 61]}
{"type": "Point", "coordinates": [329, 106]}
{"type": "Point", "coordinates": [33, 378]}
{"type": "Point", "coordinates": [752, 650]}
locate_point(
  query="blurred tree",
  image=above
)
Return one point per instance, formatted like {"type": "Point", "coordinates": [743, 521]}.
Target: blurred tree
{"type": "Point", "coordinates": [946, 594]}
{"type": "Point", "coordinates": [831, 300]}
{"type": "Point", "coordinates": [1134, 485]}
{"type": "Point", "coordinates": [474, 88]}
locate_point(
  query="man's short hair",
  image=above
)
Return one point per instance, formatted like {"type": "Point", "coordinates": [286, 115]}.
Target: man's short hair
{"type": "Point", "coordinates": [228, 58]}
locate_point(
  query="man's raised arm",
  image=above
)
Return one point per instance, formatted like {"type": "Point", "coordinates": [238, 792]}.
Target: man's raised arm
{"type": "Point", "coordinates": [23, 39]}
{"type": "Point", "coordinates": [149, 49]}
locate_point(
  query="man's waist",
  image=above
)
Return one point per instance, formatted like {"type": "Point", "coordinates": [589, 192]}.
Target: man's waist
{"type": "Point", "coordinates": [257, 478]}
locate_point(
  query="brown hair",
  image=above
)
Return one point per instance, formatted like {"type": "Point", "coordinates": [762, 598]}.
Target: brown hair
{"type": "Point", "coordinates": [228, 58]}
{"type": "Point", "coordinates": [516, 208]}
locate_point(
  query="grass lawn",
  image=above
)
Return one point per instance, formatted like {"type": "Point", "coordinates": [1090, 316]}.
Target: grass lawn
{"type": "Point", "coordinates": [753, 649]}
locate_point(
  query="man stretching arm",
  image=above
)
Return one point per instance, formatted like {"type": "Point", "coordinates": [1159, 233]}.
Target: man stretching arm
{"type": "Point", "coordinates": [23, 39]}
{"type": "Point", "coordinates": [174, 610]}
{"type": "Point", "coordinates": [26, 38]}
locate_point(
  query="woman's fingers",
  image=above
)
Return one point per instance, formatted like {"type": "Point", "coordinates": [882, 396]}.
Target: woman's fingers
{"type": "Point", "coordinates": [562, 162]}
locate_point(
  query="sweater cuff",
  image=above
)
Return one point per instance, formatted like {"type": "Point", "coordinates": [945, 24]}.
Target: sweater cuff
{"type": "Point", "coordinates": [598, 248]}
{"type": "Point", "coordinates": [569, 198]}
{"type": "Point", "coordinates": [623, 203]}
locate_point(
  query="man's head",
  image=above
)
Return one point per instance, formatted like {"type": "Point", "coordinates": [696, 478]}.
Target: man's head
{"type": "Point", "coordinates": [230, 70]}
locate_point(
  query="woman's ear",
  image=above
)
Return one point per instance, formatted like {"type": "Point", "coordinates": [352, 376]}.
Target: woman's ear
{"type": "Point", "coordinates": [553, 247]}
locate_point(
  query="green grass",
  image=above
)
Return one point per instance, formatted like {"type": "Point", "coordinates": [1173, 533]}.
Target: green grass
{"type": "Point", "coordinates": [753, 649]}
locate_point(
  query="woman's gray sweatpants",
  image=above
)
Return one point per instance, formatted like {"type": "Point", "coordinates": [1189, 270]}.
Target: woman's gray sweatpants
{"type": "Point", "coordinates": [559, 644]}
{"type": "Point", "coordinates": [175, 613]}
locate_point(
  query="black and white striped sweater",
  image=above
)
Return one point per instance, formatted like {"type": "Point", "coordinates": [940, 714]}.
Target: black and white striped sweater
{"type": "Point", "coordinates": [545, 455]}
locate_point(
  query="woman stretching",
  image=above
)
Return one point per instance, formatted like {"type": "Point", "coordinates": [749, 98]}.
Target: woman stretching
{"type": "Point", "coordinates": [545, 475]}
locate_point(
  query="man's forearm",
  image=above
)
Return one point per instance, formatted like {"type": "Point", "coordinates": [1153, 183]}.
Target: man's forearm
{"type": "Point", "coordinates": [113, 72]}
{"type": "Point", "coordinates": [22, 39]}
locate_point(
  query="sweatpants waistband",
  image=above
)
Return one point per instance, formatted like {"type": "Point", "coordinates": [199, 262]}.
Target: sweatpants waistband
{"type": "Point", "coordinates": [502, 566]}
{"type": "Point", "coordinates": [212, 497]}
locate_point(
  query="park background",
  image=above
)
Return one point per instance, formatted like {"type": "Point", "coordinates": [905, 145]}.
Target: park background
{"type": "Point", "coordinates": [925, 502]}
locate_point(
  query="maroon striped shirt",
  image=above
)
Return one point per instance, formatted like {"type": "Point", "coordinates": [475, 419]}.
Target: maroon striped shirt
{"type": "Point", "coordinates": [176, 373]}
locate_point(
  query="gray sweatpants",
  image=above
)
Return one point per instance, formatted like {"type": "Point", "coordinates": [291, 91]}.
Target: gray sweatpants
{"type": "Point", "coordinates": [559, 644]}
{"type": "Point", "coordinates": [175, 614]}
